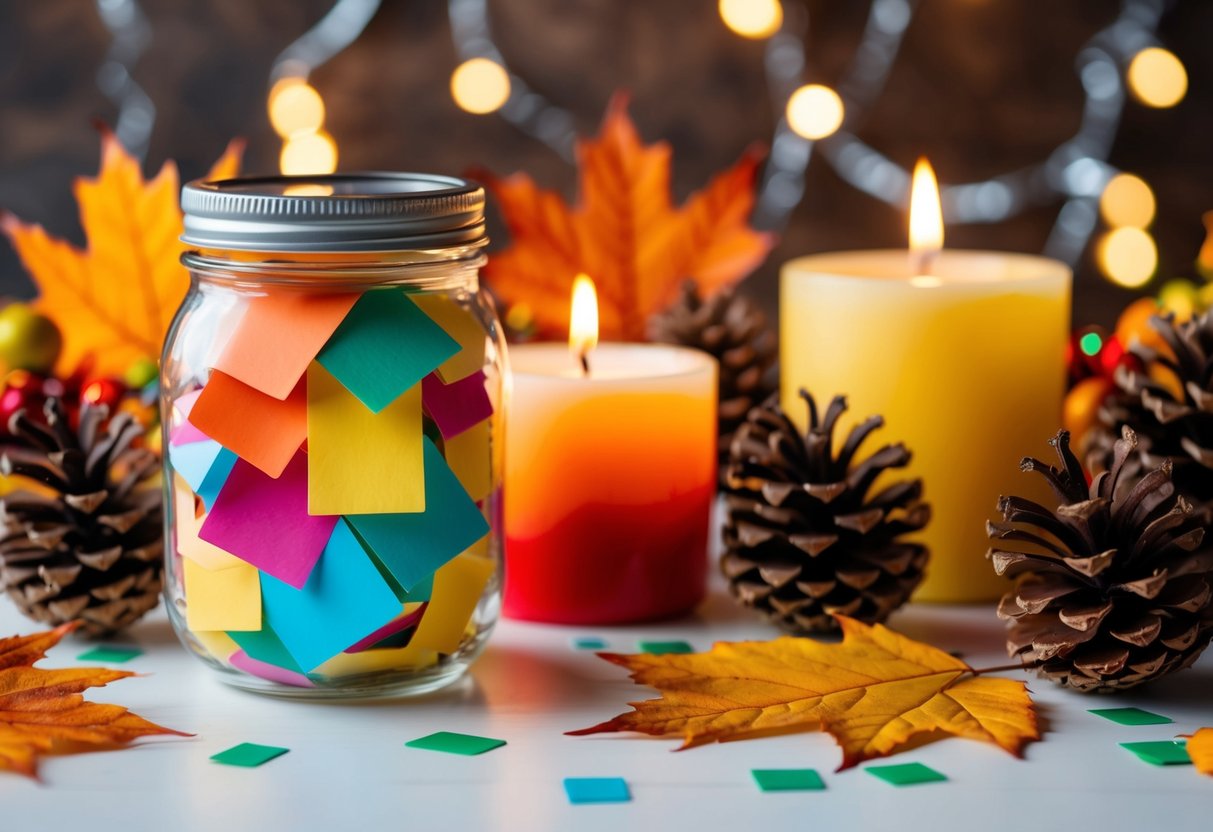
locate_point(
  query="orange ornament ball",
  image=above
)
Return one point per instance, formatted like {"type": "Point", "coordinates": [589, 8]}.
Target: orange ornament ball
{"type": "Point", "coordinates": [1080, 411]}
{"type": "Point", "coordinates": [1133, 326]}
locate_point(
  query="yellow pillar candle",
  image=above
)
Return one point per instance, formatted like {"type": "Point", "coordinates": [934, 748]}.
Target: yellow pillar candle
{"type": "Point", "coordinates": [964, 359]}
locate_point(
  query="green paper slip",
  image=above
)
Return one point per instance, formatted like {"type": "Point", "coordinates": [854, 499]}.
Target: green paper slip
{"type": "Point", "coordinates": [248, 755]}
{"type": "Point", "coordinates": [788, 779]}
{"type": "Point", "coordinates": [1131, 716]}
{"type": "Point", "coordinates": [1161, 753]}
{"type": "Point", "coordinates": [589, 643]}
{"type": "Point", "coordinates": [661, 648]}
{"type": "Point", "coordinates": [906, 774]}
{"type": "Point", "coordinates": [114, 654]}
{"type": "Point", "coordinates": [265, 646]}
{"type": "Point", "coordinates": [452, 743]}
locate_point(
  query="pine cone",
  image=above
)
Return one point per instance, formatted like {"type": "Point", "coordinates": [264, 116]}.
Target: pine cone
{"type": "Point", "coordinates": [94, 552]}
{"type": "Point", "coordinates": [733, 329]}
{"type": "Point", "coordinates": [1168, 404]}
{"type": "Point", "coordinates": [1112, 588]}
{"type": "Point", "coordinates": [804, 539]}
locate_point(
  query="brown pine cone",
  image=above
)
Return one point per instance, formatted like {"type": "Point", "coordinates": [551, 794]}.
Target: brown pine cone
{"type": "Point", "coordinates": [805, 538]}
{"type": "Point", "coordinates": [1112, 588]}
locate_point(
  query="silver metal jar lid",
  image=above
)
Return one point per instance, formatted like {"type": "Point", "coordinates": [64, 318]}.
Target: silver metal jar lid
{"type": "Point", "coordinates": [345, 212]}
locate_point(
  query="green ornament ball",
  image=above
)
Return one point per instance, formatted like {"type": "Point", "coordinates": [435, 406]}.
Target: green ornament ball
{"type": "Point", "coordinates": [28, 339]}
{"type": "Point", "coordinates": [140, 374]}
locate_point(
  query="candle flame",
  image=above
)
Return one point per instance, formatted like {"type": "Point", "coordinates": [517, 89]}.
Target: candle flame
{"type": "Point", "coordinates": [926, 217]}
{"type": "Point", "coordinates": [583, 320]}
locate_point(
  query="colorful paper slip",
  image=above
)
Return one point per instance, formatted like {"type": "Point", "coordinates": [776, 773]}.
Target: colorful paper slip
{"type": "Point", "coordinates": [460, 324]}
{"type": "Point", "coordinates": [279, 335]}
{"type": "Point", "coordinates": [218, 644]}
{"type": "Point", "coordinates": [386, 635]}
{"type": "Point", "coordinates": [265, 646]}
{"type": "Point", "coordinates": [249, 755]}
{"type": "Point", "coordinates": [360, 462]}
{"type": "Point", "coordinates": [265, 521]}
{"type": "Point", "coordinates": [226, 599]}
{"type": "Point", "coordinates": [110, 654]}
{"type": "Point", "coordinates": [906, 774]}
{"type": "Point", "coordinates": [1161, 753]}
{"type": "Point", "coordinates": [187, 524]}
{"type": "Point", "coordinates": [261, 430]}
{"type": "Point", "coordinates": [413, 546]}
{"type": "Point", "coordinates": [344, 599]}
{"type": "Point", "coordinates": [661, 648]}
{"type": "Point", "coordinates": [458, 405]}
{"type": "Point", "coordinates": [788, 779]}
{"type": "Point", "coordinates": [469, 457]}
{"type": "Point", "coordinates": [1131, 716]}
{"type": "Point", "coordinates": [449, 742]}
{"type": "Point", "coordinates": [203, 465]}
{"type": "Point", "coordinates": [597, 790]}
{"type": "Point", "coordinates": [457, 589]}
{"type": "Point", "coordinates": [589, 643]}
{"type": "Point", "coordinates": [271, 673]}
{"type": "Point", "coordinates": [373, 661]}
{"type": "Point", "coordinates": [385, 345]}
{"type": "Point", "coordinates": [185, 432]}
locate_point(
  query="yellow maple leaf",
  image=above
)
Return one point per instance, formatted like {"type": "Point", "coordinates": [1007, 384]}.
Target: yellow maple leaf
{"type": "Point", "coordinates": [625, 233]}
{"type": "Point", "coordinates": [873, 692]}
{"type": "Point", "coordinates": [42, 710]}
{"type": "Point", "coordinates": [114, 301]}
{"type": "Point", "coordinates": [1200, 749]}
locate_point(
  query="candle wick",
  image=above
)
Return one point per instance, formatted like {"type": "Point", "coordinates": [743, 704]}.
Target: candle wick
{"type": "Point", "coordinates": [585, 362]}
{"type": "Point", "coordinates": [923, 261]}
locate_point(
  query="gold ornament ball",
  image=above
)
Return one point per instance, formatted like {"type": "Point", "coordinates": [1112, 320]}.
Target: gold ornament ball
{"type": "Point", "coordinates": [28, 339]}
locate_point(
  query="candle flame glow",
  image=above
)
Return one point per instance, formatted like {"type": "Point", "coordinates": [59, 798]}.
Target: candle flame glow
{"type": "Point", "coordinates": [926, 217]}
{"type": "Point", "coordinates": [583, 319]}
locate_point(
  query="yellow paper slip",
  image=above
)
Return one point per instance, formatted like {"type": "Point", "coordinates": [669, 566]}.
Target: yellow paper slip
{"type": "Point", "coordinates": [192, 547]}
{"type": "Point", "coordinates": [361, 462]}
{"type": "Point", "coordinates": [461, 325]}
{"type": "Point", "coordinates": [468, 456]}
{"type": "Point", "coordinates": [372, 661]}
{"type": "Point", "coordinates": [457, 589]}
{"type": "Point", "coordinates": [227, 599]}
{"type": "Point", "coordinates": [218, 643]}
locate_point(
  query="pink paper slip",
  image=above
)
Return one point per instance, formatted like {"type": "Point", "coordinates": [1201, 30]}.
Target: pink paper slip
{"type": "Point", "coordinates": [264, 521]}
{"type": "Point", "coordinates": [243, 661]}
{"type": "Point", "coordinates": [457, 406]}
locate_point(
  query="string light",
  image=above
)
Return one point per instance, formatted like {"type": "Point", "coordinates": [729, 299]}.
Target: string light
{"type": "Point", "coordinates": [308, 154]}
{"type": "Point", "coordinates": [480, 86]}
{"type": "Point", "coordinates": [295, 107]}
{"type": "Point", "coordinates": [815, 111]}
{"type": "Point", "coordinates": [1127, 201]}
{"type": "Point", "coordinates": [1127, 256]}
{"type": "Point", "coordinates": [755, 19]}
{"type": "Point", "coordinates": [1157, 78]}
{"type": "Point", "coordinates": [1090, 343]}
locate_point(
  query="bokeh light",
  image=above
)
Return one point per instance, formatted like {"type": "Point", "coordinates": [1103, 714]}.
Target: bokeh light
{"type": "Point", "coordinates": [752, 18]}
{"type": "Point", "coordinates": [480, 86]}
{"type": "Point", "coordinates": [308, 154]}
{"type": "Point", "coordinates": [295, 107]}
{"type": "Point", "coordinates": [1127, 256]}
{"type": "Point", "coordinates": [1157, 78]}
{"type": "Point", "coordinates": [814, 111]}
{"type": "Point", "coordinates": [1179, 297]}
{"type": "Point", "coordinates": [1127, 201]}
{"type": "Point", "coordinates": [1090, 343]}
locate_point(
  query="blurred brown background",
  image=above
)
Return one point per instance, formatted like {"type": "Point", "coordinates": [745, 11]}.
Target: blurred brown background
{"type": "Point", "coordinates": [981, 86]}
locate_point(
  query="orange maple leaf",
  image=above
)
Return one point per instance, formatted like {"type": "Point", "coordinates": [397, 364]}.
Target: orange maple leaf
{"type": "Point", "coordinates": [43, 711]}
{"type": "Point", "coordinates": [625, 233]}
{"type": "Point", "coordinates": [873, 692]}
{"type": "Point", "coordinates": [1200, 749]}
{"type": "Point", "coordinates": [114, 301]}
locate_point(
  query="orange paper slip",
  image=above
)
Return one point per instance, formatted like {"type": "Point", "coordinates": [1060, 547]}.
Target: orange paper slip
{"type": "Point", "coordinates": [264, 431]}
{"type": "Point", "coordinates": [278, 337]}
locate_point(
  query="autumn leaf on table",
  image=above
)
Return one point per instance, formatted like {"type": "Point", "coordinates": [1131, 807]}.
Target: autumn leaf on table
{"type": "Point", "coordinates": [1200, 749]}
{"type": "Point", "coordinates": [42, 710]}
{"type": "Point", "coordinates": [625, 233]}
{"type": "Point", "coordinates": [873, 692]}
{"type": "Point", "coordinates": [114, 301]}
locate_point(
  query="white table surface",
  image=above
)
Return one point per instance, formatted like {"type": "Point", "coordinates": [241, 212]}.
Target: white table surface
{"type": "Point", "coordinates": [348, 765]}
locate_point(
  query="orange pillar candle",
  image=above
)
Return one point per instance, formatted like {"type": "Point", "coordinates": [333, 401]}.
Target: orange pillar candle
{"type": "Point", "coordinates": [609, 481]}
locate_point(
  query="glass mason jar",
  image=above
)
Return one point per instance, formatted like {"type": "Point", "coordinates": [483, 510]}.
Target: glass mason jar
{"type": "Point", "coordinates": [331, 398]}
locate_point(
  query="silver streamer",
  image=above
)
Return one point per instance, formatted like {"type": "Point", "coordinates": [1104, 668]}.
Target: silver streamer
{"type": "Point", "coordinates": [340, 27]}
{"type": "Point", "coordinates": [131, 34]}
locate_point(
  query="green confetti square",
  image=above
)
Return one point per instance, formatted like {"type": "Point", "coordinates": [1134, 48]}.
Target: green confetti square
{"type": "Point", "coordinates": [453, 743]}
{"type": "Point", "coordinates": [111, 654]}
{"type": "Point", "coordinates": [248, 755]}
{"type": "Point", "coordinates": [661, 648]}
{"type": "Point", "coordinates": [589, 643]}
{"type": "Point", "coordinates": [906, 774]}
{"type": "Point", "coordinates": [1131, 716]}
{"type": "Point", "coordinates": [1161, 753]}
{"type": "Point", "coordinates": [788, 779]}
